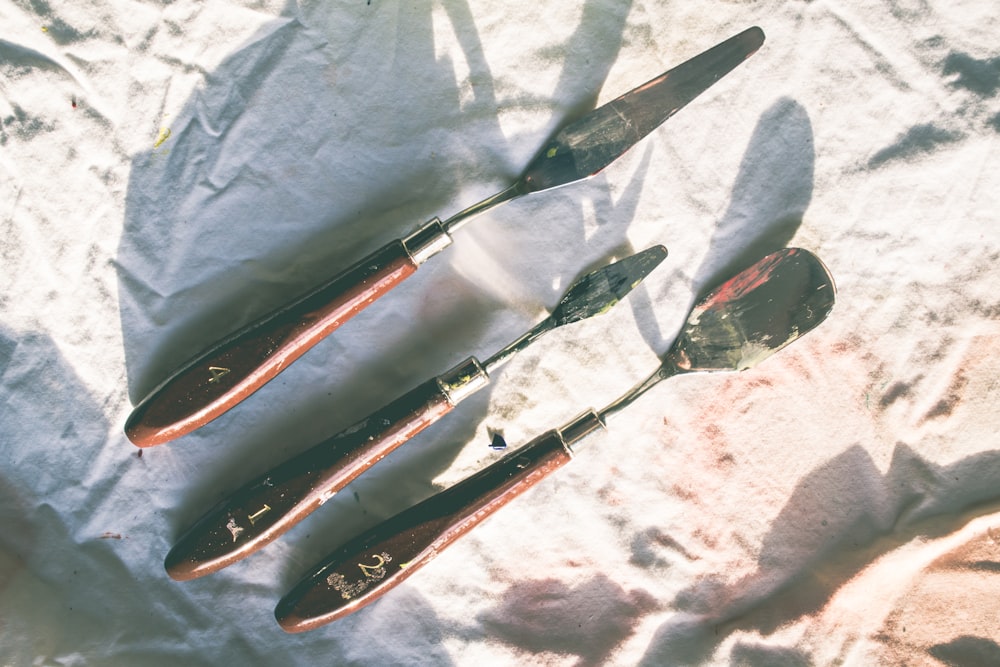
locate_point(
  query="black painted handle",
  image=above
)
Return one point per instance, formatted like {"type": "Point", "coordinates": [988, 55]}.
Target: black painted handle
{"type": "Point", "coordinates": [265, 508]}
{"type": "Point", "coordinates": [372, 564]}
{"type": "Point", "coordinates": [236, 367]}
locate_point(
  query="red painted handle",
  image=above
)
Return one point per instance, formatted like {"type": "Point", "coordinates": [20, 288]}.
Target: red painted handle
{"type": "Point", "coordinates": [239, 365]}
{"type": "Point", "coordinates": [373, 563]}
{"type": "Point", "coordinates": [265, 508]}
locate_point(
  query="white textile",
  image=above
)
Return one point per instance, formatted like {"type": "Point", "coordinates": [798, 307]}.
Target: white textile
{"type": "Point", "coordinates": [172, 170]}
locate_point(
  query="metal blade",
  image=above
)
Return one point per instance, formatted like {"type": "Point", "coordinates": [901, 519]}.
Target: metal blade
{"type": "Point", "coordinates": [598, 291]}
{"type": "Point", "coordinates": [756, 313]}
{"type": "Point", "coordinates": [595, 293]}
{"type": "Point", "coordinates": [590, 144]}
{"type": "Point", "coordinates": [746, 319]}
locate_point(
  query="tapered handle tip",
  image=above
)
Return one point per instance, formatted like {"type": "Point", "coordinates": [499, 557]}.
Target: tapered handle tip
{"type": "Point", "coordinates": [291, 622]}
{"type": "Point", "coordinates": [312, 606]}
{"type": "Point", "coordinates": [142, 434]}
{"type": "Point", "coordinates": [182, 569]}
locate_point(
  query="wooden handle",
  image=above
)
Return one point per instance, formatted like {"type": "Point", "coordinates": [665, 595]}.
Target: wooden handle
{"type": "Point", "coordinates": [266, 507]}
{"type": "Point", "coordinates": [239, 365]}
{"type": "Point", "coordinates": [370, 565]}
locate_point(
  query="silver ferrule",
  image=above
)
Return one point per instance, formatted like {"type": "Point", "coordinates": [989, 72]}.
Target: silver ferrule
{"type": "Point", "coordinates": [427, 241]}
{"type": "Point", "coordinates": [463, 380]}
{"type": "Point", "coordinates": [580, 428]}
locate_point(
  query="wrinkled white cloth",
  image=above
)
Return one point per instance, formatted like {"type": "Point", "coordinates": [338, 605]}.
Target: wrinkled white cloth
{"type": "Point", "coordinates": [170, 171]}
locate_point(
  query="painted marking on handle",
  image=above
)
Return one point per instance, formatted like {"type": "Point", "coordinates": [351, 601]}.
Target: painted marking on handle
{"type": "Point", "coordinates": [373, 573]}
{"type": "Point", "coordinates": [234, 528]}
{"type": "Point", "coordinates": [218, 372]}
{"type": "Point", "coordinates": [258, 514]}
{"type": "Point", "coordinates": [376, 571]}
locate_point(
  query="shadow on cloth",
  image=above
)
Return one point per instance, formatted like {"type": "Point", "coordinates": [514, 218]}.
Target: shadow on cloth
{"type": "Point", "coordinates": [268, 179]}
{"type": "Point", "coordinates": [66, 577]}
{"type": "Point", "coordinates": [827, 532]}
{"type": "Point", "coordinates": [271, 181]}
{"type": "Point", "coordinates": [407, 475]}
{"type": "Point", "coordinates": [770, 194]}
{"type": "Point", "coordinates": [587, 620]}
{"type": "Point", "coordinates": [282, 169]}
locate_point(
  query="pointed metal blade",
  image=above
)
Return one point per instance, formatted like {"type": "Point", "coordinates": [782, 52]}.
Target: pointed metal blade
{"type": "Point", "coordinates": [593, 142]}
{"type": "Point", "coordinates": [598, 291]}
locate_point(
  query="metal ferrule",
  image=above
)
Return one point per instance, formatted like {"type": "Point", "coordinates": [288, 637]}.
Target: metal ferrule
{"type": "Point", "coordinates": [580, 428]}
{"type": "Point", "coordinates": [427, 241]}
{"type": "Point", "coordinates": [463, 380]}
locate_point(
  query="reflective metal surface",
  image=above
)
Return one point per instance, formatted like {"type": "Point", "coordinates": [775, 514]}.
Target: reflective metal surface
{"type": "Point", "coordinates": [463, 380]}
{"type": "Point", "coordinates": [235, 367]}
{"type": "Point", "coordinates": [593, 294]}
{"type": "Point", "coordinates": [747, 319]}
{"type": "Point", "coordinates": [753, 315]}
{"type": "Point", "coordinates": [600, 290]}
{"type": "Point", "coordinates": [765, 307]}
{"type": "Point", "coordinates": [591, 143]}
{"type": "Point", "coordinates": [427, 241]}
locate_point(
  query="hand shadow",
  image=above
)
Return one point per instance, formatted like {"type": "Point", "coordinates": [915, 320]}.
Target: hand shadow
{"type": "Point", "coordinates": [823, 537]}
{"type": "Point", "coordinates": [770, 195]}
{"type": "Point", "coordinates": [254, 198]}
{"type": "Point", "coordinates": [406, 477]}
{"type": "Point", "coordinates": [221, 226]}
{"type": "Point", "coordinates": [284, 169]}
